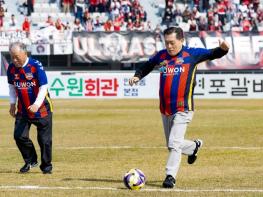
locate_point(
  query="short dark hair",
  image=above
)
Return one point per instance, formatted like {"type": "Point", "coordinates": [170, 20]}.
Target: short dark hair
{"type": "Point", "coordinates": [177, 30]}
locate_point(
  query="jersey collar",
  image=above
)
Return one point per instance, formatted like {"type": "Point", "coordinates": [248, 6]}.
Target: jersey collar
{"type": "Point", "coordinates": [172, 56]}
{"type": "Point", "coordinates": [26, 62]}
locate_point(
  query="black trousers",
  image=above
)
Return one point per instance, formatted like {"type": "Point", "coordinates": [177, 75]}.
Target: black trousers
{"type": "Point", "coordinates": [44, 137]}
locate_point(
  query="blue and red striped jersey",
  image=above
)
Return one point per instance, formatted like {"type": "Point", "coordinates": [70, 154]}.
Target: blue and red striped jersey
{"type": "Point", "coordinates": [27, 80]}
{"type": "Point", "coordinates": [177, 76]}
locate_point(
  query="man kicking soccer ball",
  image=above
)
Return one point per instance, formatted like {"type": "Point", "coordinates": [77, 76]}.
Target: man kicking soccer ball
{"type": "Point", "coordinates": [177, 64]}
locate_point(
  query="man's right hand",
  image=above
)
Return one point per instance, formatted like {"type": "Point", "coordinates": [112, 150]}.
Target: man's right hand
{"type": "Point", "coordinates": [12, 110]}
{"type": "Point", "coordinates": [133, 80]}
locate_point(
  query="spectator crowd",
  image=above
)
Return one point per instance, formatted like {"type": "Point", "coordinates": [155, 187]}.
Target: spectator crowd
{"type": "Point", "coordinates": [215, 15]}
{"type": "Point", "coordinates": [129, 15]}
{"type": "Point", "coordinates": [110, 15]}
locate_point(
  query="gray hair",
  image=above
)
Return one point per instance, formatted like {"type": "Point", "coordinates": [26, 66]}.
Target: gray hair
{"type": "Point", "coordinates": [20, 45]}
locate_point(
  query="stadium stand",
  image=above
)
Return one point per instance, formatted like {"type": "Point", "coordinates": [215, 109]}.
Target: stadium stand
{"type": "Point", "coordinates": [58, 18]}
{"type": "Point", "coordinates": [220, 15]}
{"type": "Point", "coordinates": [95, 12]}
{"type": "Point", "coordinates": [128, 15]}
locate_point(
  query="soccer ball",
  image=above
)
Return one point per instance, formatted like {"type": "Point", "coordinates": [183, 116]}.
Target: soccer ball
{"type": "Point", "coordinates": [134, 179]}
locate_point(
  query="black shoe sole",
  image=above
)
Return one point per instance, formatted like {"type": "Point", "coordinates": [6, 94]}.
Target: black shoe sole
{"type": "Point", "coordinates": [35, 164]}
{"type": "Point", "coordinates": [23, 172]}
{"type": "Point", "coordinates": [191, 159]}
{"type": "Point", "coordinates": [168, 183]}
{"type": "Point", "coordinates": [168, 186]}
{"type": "Point", "coordinates": [48, 172]}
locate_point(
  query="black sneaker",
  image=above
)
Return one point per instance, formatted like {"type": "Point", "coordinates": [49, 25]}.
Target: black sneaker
{"type": "Point", "coordinates": [47, 170]}
{"type": "Point", "coordinates": [28, 166]}
{"type": "Point", "coordinates": [193, 157]}
{"type": "Point", "coordinates": [169, 182]}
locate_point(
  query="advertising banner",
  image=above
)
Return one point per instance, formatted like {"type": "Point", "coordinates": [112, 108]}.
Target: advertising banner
{"type": "Point", "coordinates": [40, 48]}
{"type": "Point", "coordinates": [50, 41]}
{"type": "Point", "coordinates": [98, 85]}
{"type": "Point", "coordinates": [4, 89]}
{"type": "Point", "coordinates": [63, 48]}
{"type": "Point", "coordinates": [7, 37]}
{"type": "Point", "coordinates": [4, 65]}
{"type": "Point", "coordinates": [115, 47]}
{"type": "Point", "coordinates": [115, 85]}
{"type": "Point", "coordinates": [246, 48]}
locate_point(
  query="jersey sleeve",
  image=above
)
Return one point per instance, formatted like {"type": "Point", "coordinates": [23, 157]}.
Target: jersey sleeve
{"type": "Point", "coordinates": [201, 54]}
{"type": "Point", "coordinates": [41, 74]}
{"type": "Point", "coordinates": [154, 59]}
{"type": "Point", "coordinates": [10, 79]}
{"type": "Point", "coordinates": [147, 67]}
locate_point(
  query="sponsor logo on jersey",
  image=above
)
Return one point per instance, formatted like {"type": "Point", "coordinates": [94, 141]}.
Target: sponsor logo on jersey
{"type": "Point", "coordinates": [25, 85]}
{"type": "Point", "coordinates": [17, 76]}
{"type": "Point", "coordinates": [179, 60]}
{"type": "Point", "coordinates": [162, 66]}
{"type": "Point", "coordinates": [171, 70]}
{"type": "Point", "coordinates": [180, 103]}
{"type": "Point", "coordinates": [29, 76]}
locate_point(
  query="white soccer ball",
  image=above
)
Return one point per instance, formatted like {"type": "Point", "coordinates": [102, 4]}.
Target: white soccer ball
{"type": "Point", "coordinates": [134, 179]}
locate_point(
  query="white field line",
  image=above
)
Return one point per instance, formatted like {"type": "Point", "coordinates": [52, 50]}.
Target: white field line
{"type": "Point", "coordinates": [145, 147]}
{"type": "Point", "coordinates": [157, 147]}
{"type": "Point", "coordinates": [36, 187]}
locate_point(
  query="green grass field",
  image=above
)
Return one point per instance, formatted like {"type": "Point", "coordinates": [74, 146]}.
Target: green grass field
{"type": "Point", "coordinates": [96, 141]}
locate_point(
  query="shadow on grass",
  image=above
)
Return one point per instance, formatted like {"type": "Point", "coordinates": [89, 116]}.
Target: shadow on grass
{"type": "Point", "coordinates": [93, 180]}
{"type": "Point", "coordinates": [96, 180]}
{"type": "Point", "coordinates": [17, 172]}
{"type": "Point", "coordinates": [157, 184]}
{"type": "Point", "coordinates": [7, 171]}
{"type": "Point", "coordinates": [148, 183]}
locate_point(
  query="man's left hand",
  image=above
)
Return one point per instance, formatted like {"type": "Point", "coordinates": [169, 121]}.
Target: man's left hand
{"type": "Point", "coordinates": [224, 45]}
{"type": "Point", "coordinates": [33, 108]}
